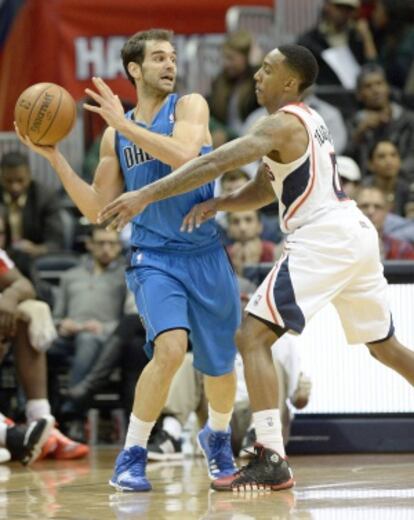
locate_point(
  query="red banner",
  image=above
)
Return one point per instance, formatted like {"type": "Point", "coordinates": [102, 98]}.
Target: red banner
{"type": "Point", "coordinates": [68, 41]}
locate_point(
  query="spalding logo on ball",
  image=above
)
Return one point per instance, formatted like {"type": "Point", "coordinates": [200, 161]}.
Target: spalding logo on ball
{"type": "Point", "coordinates": [46, 113]}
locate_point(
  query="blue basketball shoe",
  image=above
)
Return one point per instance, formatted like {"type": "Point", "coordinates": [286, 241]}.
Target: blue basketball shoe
{"type": "Point", "coordinates": [216, 447]}
{"type": "Point", "coordinates": [129, 471]}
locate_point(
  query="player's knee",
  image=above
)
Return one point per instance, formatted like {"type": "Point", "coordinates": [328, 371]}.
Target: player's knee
{"type": "Point", "coordinates": [244, 341]}
{"type": "Point", "coordinates": [169, 355]}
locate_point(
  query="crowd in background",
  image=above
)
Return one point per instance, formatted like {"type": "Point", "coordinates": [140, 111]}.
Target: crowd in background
{"type": "Point", "coordinates": [369, 113]}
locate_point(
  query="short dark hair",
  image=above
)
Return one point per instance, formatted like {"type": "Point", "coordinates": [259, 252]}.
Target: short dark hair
{"type": "Point", "coordinates": [14, 160]}
{"type": "Point", "coordinates": [134, 48]}
{"type": "Point", "coordinates": [375, 145]}
{"type": "Point", "coordinates": [364, 188]}
{"type": "Point", "coordinates": [366, 70]}
{"type": "Point", "coordinates": [302, 62]}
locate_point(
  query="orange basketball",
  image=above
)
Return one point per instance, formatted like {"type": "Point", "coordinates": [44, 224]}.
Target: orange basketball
{"type": "Point", "coordinates": [45, 112]}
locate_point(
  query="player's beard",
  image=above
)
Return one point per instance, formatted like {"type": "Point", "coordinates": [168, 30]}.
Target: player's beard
{"type": "Point", "coordinates": [155, 90]}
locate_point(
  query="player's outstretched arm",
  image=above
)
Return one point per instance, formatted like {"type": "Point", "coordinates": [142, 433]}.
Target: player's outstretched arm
{"type": "Point", "coordinates": [107, 184]}
{"type": "Point", "coordinates": [270, 134]}
{"type": "Point", "coordinates": [190, 129]}
{"type": "Point", "coordinates": [255, 194]}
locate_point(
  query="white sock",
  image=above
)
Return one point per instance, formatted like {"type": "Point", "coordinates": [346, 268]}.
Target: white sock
{"type": "Point", "coordinates": [138, 432]}
{"type": "Point", "coordinates": [37, 408]}
{"type": "Point", "coordinates": [269, 430]}
{"type": "Point", "coordinates": [3, 430]}
{"type": "Point", "coordinates": [172, 426]}
{"type": "Point", "coordinates": [217, 421]}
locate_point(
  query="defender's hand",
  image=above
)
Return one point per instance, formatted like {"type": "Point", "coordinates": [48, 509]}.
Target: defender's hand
{"type": "Point", "coordinates": [123, 209]}
{"type": "Point", "coordinates": [199, 214]}
{"type": "Point", "coordinates": [110, 107]}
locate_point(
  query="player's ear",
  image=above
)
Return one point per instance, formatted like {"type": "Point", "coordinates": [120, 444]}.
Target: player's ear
{"type": "Point", "coordinates": [134, 69]}
{"type": "Point", "coordinates": [291, 84]}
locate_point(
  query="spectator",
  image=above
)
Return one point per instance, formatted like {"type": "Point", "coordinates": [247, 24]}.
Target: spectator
{"type": "Point", "coordinates": [384, 166]}
{"type": "Point", "coordinates": [26, 326]}
{"type": "Point", "coordinates": [380, 119]}
{"type": "Point", "coordinates": [373, 203]}
{"type": "Point", "coordinates": [350, 175]}
{"type": "Point", "coordinates": [89, 304]}
{"type": "Point", "coordinates": [337, 33]}
{"type": "Point", "coordinates": [124, 348]}
{"type": "Point", "coordinates": [244, 228]}
{"type": "Point", "coordinates": [34, 223]}
{"type": "Point", "coordinates": [233, 180]}
{"type": "Point", "coordinates": [232, 96]}
{"type": "Point", "coordinates": [393, 30]}
{"type": "Point", "coordinates": [229, 182]}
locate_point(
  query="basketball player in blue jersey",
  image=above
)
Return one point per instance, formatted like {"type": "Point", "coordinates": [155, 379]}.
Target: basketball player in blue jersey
{"type": "Point", "coordinates": [183, 284]}
{"type": "Point", "coordinates": [331, 252]}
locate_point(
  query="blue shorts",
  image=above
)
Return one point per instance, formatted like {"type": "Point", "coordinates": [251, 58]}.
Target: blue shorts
{"type": "Point", "coordinates": [197, 292]}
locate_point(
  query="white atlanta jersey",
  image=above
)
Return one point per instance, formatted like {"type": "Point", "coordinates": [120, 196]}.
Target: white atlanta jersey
{"type": "Point", "coordinates": [309, 186]}
{"type": "Point", "coordinates": [331, 253]}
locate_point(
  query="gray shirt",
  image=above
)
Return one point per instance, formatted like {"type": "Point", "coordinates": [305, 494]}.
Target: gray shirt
{"type": "Point", "coordinates": [84, 295]}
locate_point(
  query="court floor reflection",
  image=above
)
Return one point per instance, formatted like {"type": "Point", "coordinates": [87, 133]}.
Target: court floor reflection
{"type": "Point", "coordinates": [328, 488]}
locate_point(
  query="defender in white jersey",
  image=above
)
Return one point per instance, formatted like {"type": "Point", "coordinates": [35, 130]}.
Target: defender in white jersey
{"type": "Point", "coordinates": [331, 252]}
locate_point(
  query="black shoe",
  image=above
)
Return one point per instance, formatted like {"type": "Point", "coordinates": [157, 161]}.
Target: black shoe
{"type": "Point", "coordinates": [163, 446]}
{"type": "Point", "coordinates": [267, 470]}
{"type": "Point", "coordinates": [25, 442]}
{"type": "Point", "coordinates": [247, 446]}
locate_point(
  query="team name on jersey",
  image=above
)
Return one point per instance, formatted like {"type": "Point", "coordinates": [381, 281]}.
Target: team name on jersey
{"type": "Point", "coordinates": [134, 156]}
{"type": "Point", "coordinates": [322, 135]}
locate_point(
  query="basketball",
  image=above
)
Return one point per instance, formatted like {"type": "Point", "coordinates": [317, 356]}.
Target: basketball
{"type": "Point", "coordinates": [46, 113]}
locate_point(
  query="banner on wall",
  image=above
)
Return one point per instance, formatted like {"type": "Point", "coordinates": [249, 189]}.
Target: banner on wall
{"type": "Point", "coordinates": [69, 41]}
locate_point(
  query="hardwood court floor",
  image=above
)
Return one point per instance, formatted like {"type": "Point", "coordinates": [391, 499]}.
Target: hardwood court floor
{"type": "Point", "coordinates": [344, 487]}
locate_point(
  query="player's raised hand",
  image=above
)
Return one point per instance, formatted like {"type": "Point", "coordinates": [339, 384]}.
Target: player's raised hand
{"type": "Point", "coordinates": [199, 214]}
{"type": "Point", "coordinates": [120, 211]}
{"type": "Point", "coordinates": [109, 106]}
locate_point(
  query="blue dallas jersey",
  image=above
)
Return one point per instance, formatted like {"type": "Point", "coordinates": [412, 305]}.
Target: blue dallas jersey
{"type": "Point", "coordinates": [158, 226]}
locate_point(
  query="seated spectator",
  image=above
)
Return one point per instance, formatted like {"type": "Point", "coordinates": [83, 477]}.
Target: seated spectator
{"type": "Point", "coordinates": [384, 166]}
{"type": "Point", "coordinates": [244, 228]}
{"type": "Point", "coordinates": [399, 227]}
{"type": "Point", "coordinates": [232, 181]}
{"type": "Point", "coordinates": [232, 97]}
{"type": "Point", "coordinates": [372, 201]}
{"type": "Point", "coordinates": [350, 175]}
{"type": "Point", "coordinates": [123, 348]}
{"type": "Point", "coordinates": [336, 31]}
{"type": "Point", "coordinates": [34, 223]}
{"type": "Point", "coordinates": [229, 182]}
{"type": "Point", "coordinates": [88, 307]}
{"type": "Point", "coordinates": [27, 327]}
{"type": "Point", "coordinates": [380, 119]}
{"type": "Point", "coordinates": [393, 30]}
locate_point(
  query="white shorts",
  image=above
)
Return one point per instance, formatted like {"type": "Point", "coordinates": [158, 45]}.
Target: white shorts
{"type": "Point", "coordinates": [332, 260]}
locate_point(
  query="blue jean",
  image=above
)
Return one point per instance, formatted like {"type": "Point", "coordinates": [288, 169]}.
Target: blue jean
{"type": "Point", "coordinates": [79, 352]}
